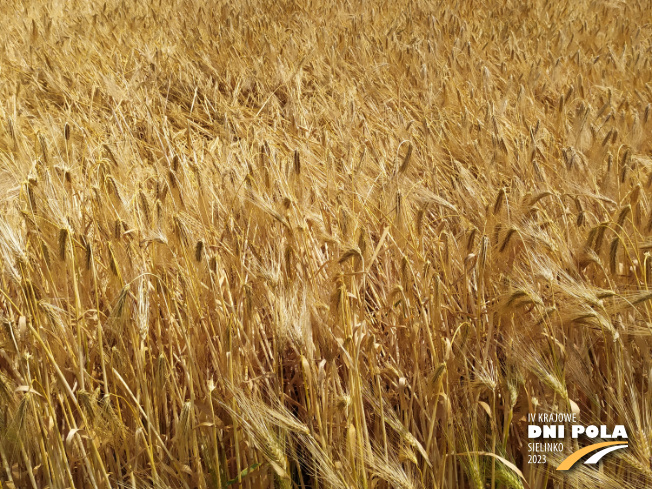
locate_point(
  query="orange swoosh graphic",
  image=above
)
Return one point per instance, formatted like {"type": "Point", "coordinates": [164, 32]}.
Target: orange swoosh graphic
{"type": "Point", "coordinates": [574, 457]}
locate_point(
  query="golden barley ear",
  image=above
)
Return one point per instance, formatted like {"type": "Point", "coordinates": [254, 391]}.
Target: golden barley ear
{"type": "Point", "coordinates": [63, 243]}
{"type": "Point", "coordinates": [297, 162]}
{"type": "Point", "coordinates": [199, 248]}
{"type": "Point", "coordinates": [406, 160]}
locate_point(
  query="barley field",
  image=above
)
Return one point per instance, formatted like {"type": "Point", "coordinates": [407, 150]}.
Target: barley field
{"type": "Point", "coordinates": [310, 244]}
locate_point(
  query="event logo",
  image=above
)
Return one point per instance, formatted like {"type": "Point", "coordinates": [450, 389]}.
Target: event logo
{"type": "Point", "coordinates": [554, 429]}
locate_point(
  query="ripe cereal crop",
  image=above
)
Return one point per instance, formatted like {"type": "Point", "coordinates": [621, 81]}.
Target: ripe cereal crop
{"type": "Point", "coordinates": [310, 244]}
